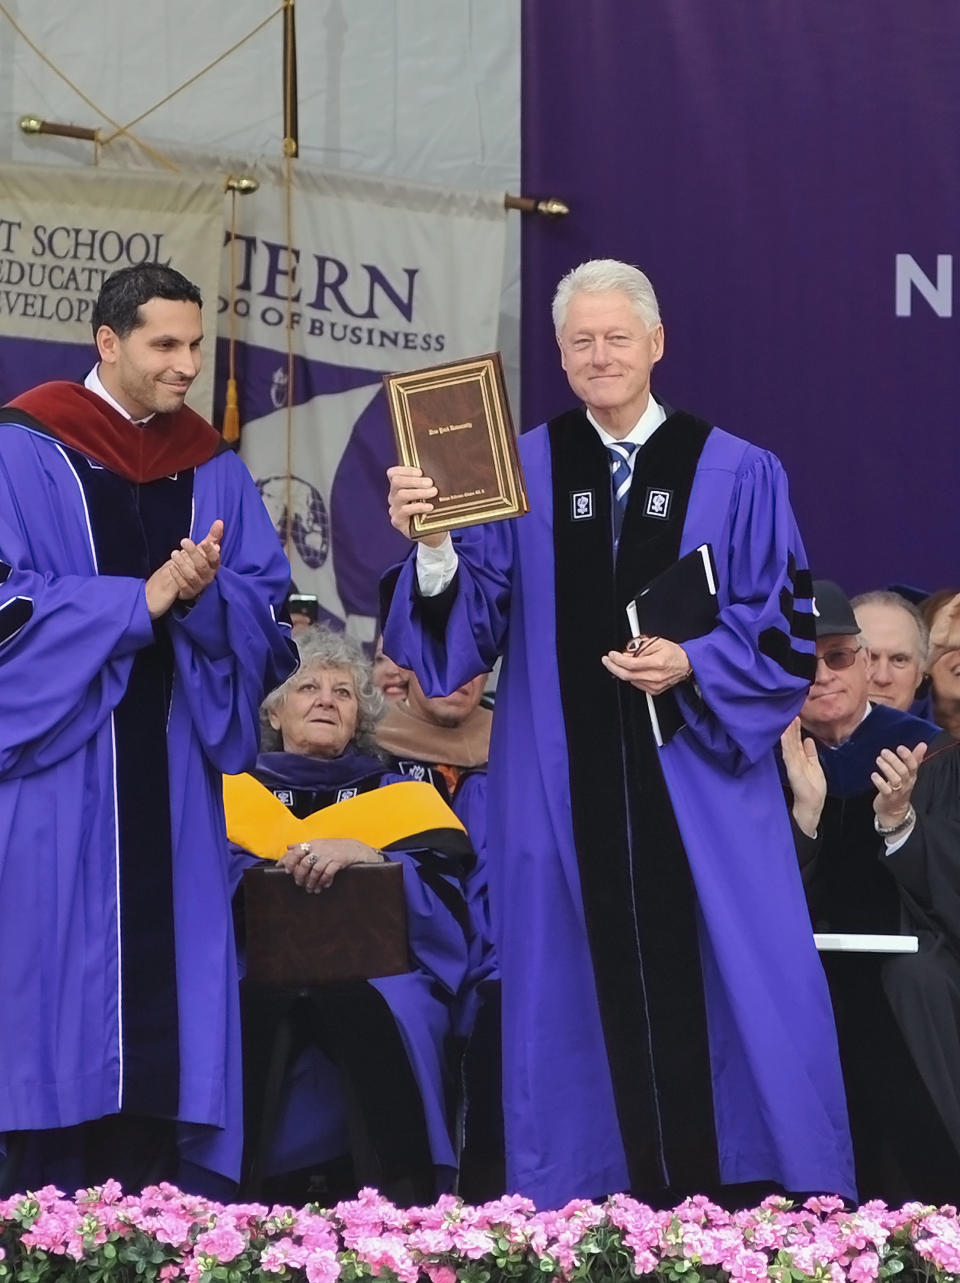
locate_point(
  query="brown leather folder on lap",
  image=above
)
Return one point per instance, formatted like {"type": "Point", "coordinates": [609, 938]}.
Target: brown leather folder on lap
{"type": "Point", "coordinates": [355, 930]}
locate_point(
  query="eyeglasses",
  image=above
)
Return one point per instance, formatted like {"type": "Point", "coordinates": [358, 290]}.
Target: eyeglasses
{"type": "Point", "coordinates": [842, 657]}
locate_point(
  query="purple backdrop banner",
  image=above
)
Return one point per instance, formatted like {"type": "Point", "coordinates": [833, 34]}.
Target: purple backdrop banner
{"type": "Point", "coordinates": [787, 175]}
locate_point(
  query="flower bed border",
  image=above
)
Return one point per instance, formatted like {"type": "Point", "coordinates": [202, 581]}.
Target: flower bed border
{"type": "Point", "coordinates": [163, 1235]}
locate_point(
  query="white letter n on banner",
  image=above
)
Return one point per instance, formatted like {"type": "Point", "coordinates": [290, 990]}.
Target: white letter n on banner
{"type": "Point", "coordinates": [910, 276]}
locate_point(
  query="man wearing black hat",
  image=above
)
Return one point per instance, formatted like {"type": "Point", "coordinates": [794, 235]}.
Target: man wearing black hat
{"type": "Point", "coordinates": [878, 836]}
{"type": "Point", "coordinates": [851, 734]}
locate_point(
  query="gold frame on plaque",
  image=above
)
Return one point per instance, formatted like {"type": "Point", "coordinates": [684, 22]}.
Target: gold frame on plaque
{"type": "Point", "coordinates": [473, 504]}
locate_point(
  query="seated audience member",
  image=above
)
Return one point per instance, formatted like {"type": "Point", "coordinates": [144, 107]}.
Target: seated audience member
{"type": "Point", "coordinates": [446, 739]}
{"type": "Point", "coordinates": [881, 856]}
{"type": "Point", "coordinates": [896, 639]}
{"type": "Point", "coordinates": [447, 736]}
{"type": "Point", "coordinates": [389, 678]}
{"type": "Point", "coordinates": [941, 613]}
{"type": "Point", "coordinates": [386, 1041]}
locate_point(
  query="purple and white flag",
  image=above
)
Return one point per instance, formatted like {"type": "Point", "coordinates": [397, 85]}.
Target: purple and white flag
{"type": "Point", "coordinates": [64, 231]}
{"type": "Point", "coordinates": [382, 277]}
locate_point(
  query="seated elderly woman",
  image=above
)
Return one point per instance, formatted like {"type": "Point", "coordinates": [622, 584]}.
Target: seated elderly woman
{"type": "Point", "coordinates": [379, 1049]}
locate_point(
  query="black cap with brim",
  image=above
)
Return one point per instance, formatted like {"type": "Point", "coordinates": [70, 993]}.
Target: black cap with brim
{"type": "Point", "coordinates": [832, 610]}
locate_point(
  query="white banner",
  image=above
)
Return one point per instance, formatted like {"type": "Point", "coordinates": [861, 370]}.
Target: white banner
{"type": "Point", "coordinates": [382, 277]}
{"type": "Point", "coordinates": [62, 233]}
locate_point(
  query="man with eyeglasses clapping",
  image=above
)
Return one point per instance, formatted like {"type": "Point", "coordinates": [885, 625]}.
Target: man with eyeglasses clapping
{"type": "Point", "coordinates": [851, 734]}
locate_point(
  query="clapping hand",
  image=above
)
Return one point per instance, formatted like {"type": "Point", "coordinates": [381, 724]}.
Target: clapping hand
{"type": "Point", "coordinates": [194, 566]}
{"type": "Point", "coordinates": [894, 780]}
{"type": "Point", "coordinates": [185, 574]}
{"type": "Point", "coordinates": [805, 776]}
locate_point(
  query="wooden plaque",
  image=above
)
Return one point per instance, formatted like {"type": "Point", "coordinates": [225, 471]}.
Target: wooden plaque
{"type": "Point", "coordinates": [355, 930]}
{"type": "Point", "coordinates": [453, 422]}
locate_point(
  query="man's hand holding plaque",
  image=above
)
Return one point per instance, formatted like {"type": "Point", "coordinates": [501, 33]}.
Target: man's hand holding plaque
{"type": "Point", "coordinates": [458, 462]}
{"type": "Point", "coordinates": [410, 495]}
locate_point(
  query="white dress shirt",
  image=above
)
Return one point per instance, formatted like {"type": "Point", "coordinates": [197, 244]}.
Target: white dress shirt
{"type": "Point", "coordinates": [436, 567]}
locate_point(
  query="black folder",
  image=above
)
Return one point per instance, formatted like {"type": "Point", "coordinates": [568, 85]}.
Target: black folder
{"type": "Point", "coordinates": [679, 604]}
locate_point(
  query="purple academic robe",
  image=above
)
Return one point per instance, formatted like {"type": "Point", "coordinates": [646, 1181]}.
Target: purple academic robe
{"type": "Point", "coordinates": [470, 805]}
{"type": "Point", "coordinates": [117, 959]}
{"type": "Point", "coordinates": [666, 1022]}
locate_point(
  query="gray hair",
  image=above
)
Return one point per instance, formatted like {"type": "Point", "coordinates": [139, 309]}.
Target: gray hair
{"type": "Point", "coordinates": [600, 275]}
{"type": "Point", "coordinates": [883, 598]}
{"type": "Point", "coordinates": [320, 647]}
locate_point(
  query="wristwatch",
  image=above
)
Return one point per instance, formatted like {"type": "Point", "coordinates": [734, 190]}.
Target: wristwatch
{"type": "Point", "coordinates": [891, 830]}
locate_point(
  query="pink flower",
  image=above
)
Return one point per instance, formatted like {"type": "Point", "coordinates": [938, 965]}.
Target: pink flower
{"type": "Point", "coordinates": [172, 1228]}
{"type": "Point", "coordinates": [864, 1268]}
{"type": "Point", "coordinates": [223, 1243]}
{"type": "Point", "coordinates": [316, 1232]}
{"type": "Point", "coordinates": [749, 1267]}
{"type": "Point", "coordinates": [806, 1258]}
{"type": "Point", "coordinates": [700, 1210]}
{"type": "Point", "coordinates": [388, 1251]}
{"type": "Point", "coordinates": [322, 1267]}
{"type": "Point", "coordinates": [440, 1273]}
{"type": "Point", "coordinates": [644, 1262]}
{"type": "Point", "coordinates": [941, 1242]}
{"type": "Point", "coordinates": [248, 1212]}
{"type": "Point", "coordinates": [50, 1231]}
{"type": "Point", "coordinates": [432, 1242]}
{"type": "Point", "coordinates": [505, 1209]}
{"type": "Point", "coordinates": [765, 1234]}
{"type": "Point", "coordinates": [717, 1244]}
{"type": "Point", "coordinates": [47, 1196]}
{"type": "Point", "coordinates": [447, 1205]}
{"type": "Point", "coordinates": [471, 1243]}
{"type": "Point", "coordinates": [277, 1256]}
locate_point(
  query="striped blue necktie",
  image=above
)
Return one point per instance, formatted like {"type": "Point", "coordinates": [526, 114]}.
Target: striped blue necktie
{"type": "Point", "coordinates": [621, 475]}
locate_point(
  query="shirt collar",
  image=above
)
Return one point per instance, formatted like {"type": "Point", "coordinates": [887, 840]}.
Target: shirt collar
{"type": "Point", "coordinates": [642, 430]}
{"type": "Point", "coordinates": [866, 713]}
{"type": "Point", "coordinates": [93, 383]}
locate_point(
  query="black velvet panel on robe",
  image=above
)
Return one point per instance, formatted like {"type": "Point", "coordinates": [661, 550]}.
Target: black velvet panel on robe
{"type": "Point", "coordinates": [13, 613]}
{"type": "Point", "coordinates": [638, 894]}
{"type": "Point", "coordinates": [777, 644]}
{"type": "Point", "coordinates": [906, 1121]}
{"type": "Point", "coordinates": [304, 802]}
{"type": "Point", "coordinates": [135, 528]}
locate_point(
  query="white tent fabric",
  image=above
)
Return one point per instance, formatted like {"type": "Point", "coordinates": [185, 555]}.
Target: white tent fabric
{"type": "Point", "coordinates": [426, 90]}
